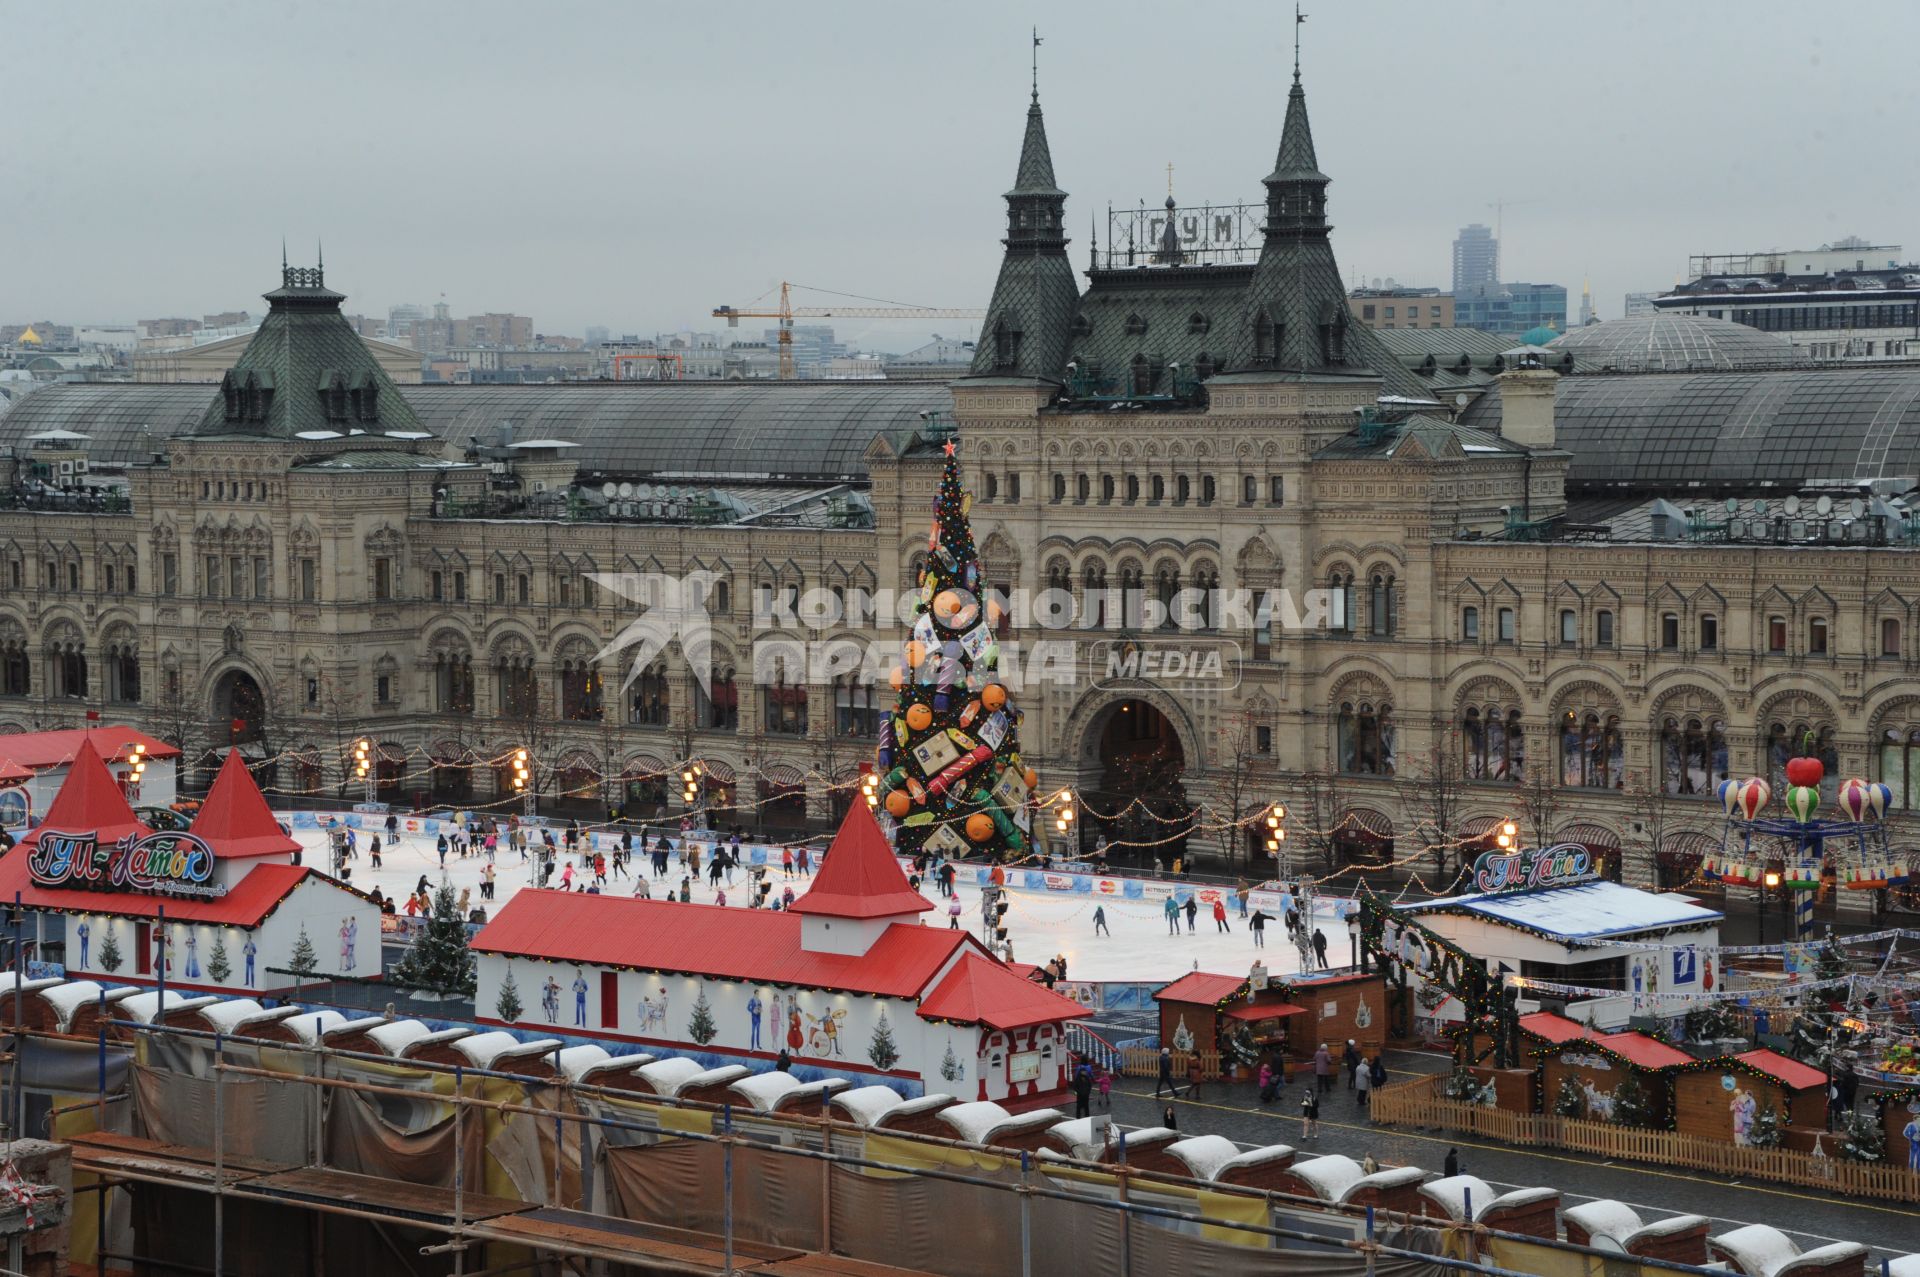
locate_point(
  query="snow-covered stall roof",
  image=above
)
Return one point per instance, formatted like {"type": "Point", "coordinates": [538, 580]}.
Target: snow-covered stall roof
{"type": "Point", "coordinates": [596, 1072]}
{"type": "Point", "coordinates": [1204, 1155]}
{"type": "Point", "coordinates": [865, 1105]}
{"type": "Point", "coordinates": [1759, 1249]}
{"type": "Point", "coordinates": [68, 998]}
{"type": "Point", "coordinates": [763, 1090]}
{"type": "Point", "coordinates": [666, 1076]}
{"type": "Point", "coordinates": [1584, 911]}
{"type": "Point", "coordinates": [1606, 1218]}
{"type": "Point", "coordinates": [349, 1028]}
{"type": "Point", "coordinates": [1329, 1177]}
{"type": "Point", "coordinates": [1509, 1201]}
{"type": "Point", "coordinates": [145, 1006]}
{"type": "Point", "coordinates": [237, 1015]}
{"type": "Point", "coordinates": [1393, 1177]}
{"type": "Point", "coordinates": [440, 1038]}
{"type": "Point", "coordinates": [974, 1121]}
{"type": "Point", "coordinates": [496, 1049]}
{"type": "Point", "coordinates": [398, 1035]}
{"type": "Point", "coordinates": [725, 1075]}
{"type": "Point", "coordinates": [311, 1026]}
{"type": "Point", "coordinates": [1255, 1157]}
{"type": "Point", "coordinates": [1451, 1193]}
{"type": "Point", "coordinates": [34, 986]}
{"type": "Point", "coordinates": [1077, 1136]}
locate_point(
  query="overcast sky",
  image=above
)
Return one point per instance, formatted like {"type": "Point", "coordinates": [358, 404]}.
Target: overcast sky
{"type": "Point", "coordinates": [635, 165]}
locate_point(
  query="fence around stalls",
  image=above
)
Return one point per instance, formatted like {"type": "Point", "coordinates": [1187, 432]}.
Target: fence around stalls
{"type": "Point", "coordinates": [1419, 1102]}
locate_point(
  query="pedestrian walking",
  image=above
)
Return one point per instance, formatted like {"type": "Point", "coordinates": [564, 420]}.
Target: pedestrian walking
{"type": "Point", "coordinates": [1379, 1070]}
{"type": "Point", "coordinates": [1220, 915]}
{"type": "Point", "coordinates": [1267, 1081]}
{"type": "Point", "coordinates": [1193, 911]}
{"type": "Point", "coordinates": [953, 910]}
{"type": "Point", "coordinates": [486, 883]}
{"type": "Point", "coordinates": [1100, 922]}
{"type": "Point", "coordinates": [1320, 947]}
{"type": "Point", "coordinates": [1165, 1079]}
{"type": "Point", "coordinates": [441, 846]}
{"type": "Point", "coordinates": [1310, 1114]}
{"type": "Point", "coordinates": [1172, 910]}
{"type": "Point", "coordinates": [373, 853]}
{"type": "Point", "coordinates": [1105, 1089]}
{"type": "Point", "coordinates": [1350, 1060]}
{"type": "Point", "coordinates": [1451, 1166]}
{"type": "Point", "coordinates": [1363, 1083]}
{"type": "Point", "coordinates": [1258, 925]}
{"type": "Point", "coordinates": [1241, 894]}
{"type": "Point", "coordinates": [1168, 1120]}
{"type": "Point", "coordinates": [1323, 1068]}
{"type": "Point", "coordinates": [1194, 1076]}
{"type": "Point", "coordinates": [1083, 1091]}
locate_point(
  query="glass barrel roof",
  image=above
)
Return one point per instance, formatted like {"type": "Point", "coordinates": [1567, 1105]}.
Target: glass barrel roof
{"type": "Point", "coordinates": [1673, 343]}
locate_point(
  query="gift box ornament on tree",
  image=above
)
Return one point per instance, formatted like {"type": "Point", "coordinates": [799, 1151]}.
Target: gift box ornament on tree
{"type": "Point", "coordinates": [949, 756]}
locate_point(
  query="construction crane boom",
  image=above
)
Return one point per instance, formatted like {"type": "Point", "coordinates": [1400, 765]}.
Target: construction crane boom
{"type": "Point", "coordinates": [788, 312]}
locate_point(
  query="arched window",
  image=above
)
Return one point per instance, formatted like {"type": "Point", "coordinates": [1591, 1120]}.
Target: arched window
{"type": "Point", "coordinates": [1207, 489]}
{"type": "Point", "coordinates": [1802, 739]}
{"type": "Point", "coordinates": [67, 659]}
{"type": "Point", "coordinates": [716, 707]}
{"type": "Point", "coordinates": [1592, 750]}
{"type": "Point", "coordinates": [1206, 588]}
{"type": "Point", "coordinates": [648, 701]}
{"type": "Point", "coordinates": [123, 669]}
{"type": "Point", "coordinates": [1693, 755]}
{"type": "Point", "coordinates": [1900, 763]}
{"type": "Point", "coordinates": [1082, 487]}
{"type": "Point", "coordinates": [784, 700]}
{"type": "Point", "coordinates": [1133, 487]}
{"type": "Point", "coordinates": [453, 681]}
{"type": "Point", "coordinates": [1166, 590]}
{"type": "Point", "coordinates": [1249, 489]}
{"type": "Point", "coordinates": [1470, 624]}
{"type": "Point", "coordinates": [1494, 739]}
{"type": "Point", "coordinates": [856, 711]}
{"type": "Point", "coordinates": [1093, 604]}
{"type": "Point", "coordinates": [1059, 486]}
{"type": "Point", "coordinates": [1106, 487]}
{"type": "Point", "coordinates": [1365, 738]}
{"type": "Point", "coordinates": [1157, 488]}
{"type": "Point", "coordinates": [580, 687]}
{"type": "Point", "coordinates": [993, 487]}
{"type": "Point", "coordinates": [1182, 488]}
{"type": "Point", "coordinates": [1380, 605]}
{"type": "Point", "coordinates": [1340, 602]}
{"type": "Point", "coordinates": [516, 691]}
{"type": "Point", "coordinates": [1132, 586]}
{"type": "Point", "coordinates": [16, 668]}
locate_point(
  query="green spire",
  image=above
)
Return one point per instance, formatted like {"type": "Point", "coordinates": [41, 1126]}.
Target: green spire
{"type": "Point", "coordinates": [1035, 174]}
{"type": "Point", "coordinates": [1296, 161]}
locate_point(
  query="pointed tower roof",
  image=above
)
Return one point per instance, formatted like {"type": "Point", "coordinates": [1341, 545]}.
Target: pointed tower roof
{"type": "Point", "coordinates": [1035, 174]}
{"type": "Point", "coordinates": [860, 878]}
{"type": "Point", "coordinates": [90, 801]}
{"type": "Point", "coordinates": [1296, 160]}
{"type": "Point", "coordinates": [235, 819]}
{"type": "Point", "coordinates": [306, 373]}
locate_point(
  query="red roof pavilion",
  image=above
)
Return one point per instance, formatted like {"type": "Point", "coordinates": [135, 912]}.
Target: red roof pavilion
{"type": "Point", "coordinates": [981, 991]}
{"type": "Point", "coordinates": [39, 750]}
{"type": "Point", "coordinates": [860, 877]}
{"type": "Point", "coordinates": [12, 773]}
{"type": "Point", "coordinates": [235, 819]}
{"type": "Point", "coordinates": [90, 801]}
{"type": "Point", "coordinates": [1788, 1072]}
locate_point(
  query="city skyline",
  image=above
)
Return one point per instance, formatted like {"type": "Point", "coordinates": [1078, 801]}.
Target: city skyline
{"type": "Point", "coordinates": [599, 176]}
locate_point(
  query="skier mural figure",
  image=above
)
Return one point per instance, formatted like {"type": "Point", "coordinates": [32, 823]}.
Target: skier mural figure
{"type": "Point", "coordinates": [83, 933]}
{"type": "Point", "coordinates": [753, 1017]}
{"type": "Point", "coordinates": [249, 951]}
{"type": "Point", "coordinates": [579, 998]}
{"type": "Point", "coordinates": [550, 1000]}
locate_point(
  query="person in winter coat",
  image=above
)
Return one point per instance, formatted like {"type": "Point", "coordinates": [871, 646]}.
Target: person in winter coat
{"type": "Point", "coordinates": [1451, 1166]}
{"type": "Point", "coordinates": [1266, 1082]}
{"type": "Point", "coordinates": [1168, 1120]}
{"type": "Point", "coordinates": [1193, 911]}
{"type": "Point", "coordinates": [1105, 1088]}
{"type": "Point", "coordinates": [1165, 1081]}
{"type": "Point", "coordinates": [1193, 1076]}
{"type": "Point", "coordinates": [1379, 1070]}
{"type": "Point", "coordinates": [1257, 923]}
{"type": "Point", "coordinates": [1220, 915]}
{"type": "Point", "coordinates": [1083, 1091]}
{"type": "Point", "coordinates": [1323, 1068]}
{"type": "Point", "coordinates": [1350, 1058]}
{"type": "Point", "coordinates": [1363, 1083]}
{"type": "Point", "coordinates": [1172, 910]}
{"type": "Point", "coordinates": [1320, 947]}
{"type": "Point", "coordinates": [1310, 1114]}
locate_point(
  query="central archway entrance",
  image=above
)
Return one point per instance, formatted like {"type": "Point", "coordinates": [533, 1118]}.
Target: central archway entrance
{"type": "Point", "coordinates": [1140, 799]}
{"type": "Point", "coordinates": [239, 708]}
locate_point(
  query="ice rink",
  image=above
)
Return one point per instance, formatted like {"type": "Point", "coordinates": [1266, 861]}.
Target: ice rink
{"type": "Point", "coordinates": [1040, 924]}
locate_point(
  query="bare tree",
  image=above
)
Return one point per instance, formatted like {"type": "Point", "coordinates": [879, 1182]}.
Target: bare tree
{"type": "Point", "coordinates": [1653, 819]}
{"type": "Point", "coordinates": [339, 706]}
{"type": "Point", "coordinates": [531, 728]}
{"type": "Point", "coordinates": [1438, 793]}
{"type": "Point", "coordinates": [1247, 784]}
{"type": "Point", "coordinates": [1316, 819]}
{"type": "Point", "coordinates": [178, 717]}
{"type": "Point", "coordinates": [1538, 795]}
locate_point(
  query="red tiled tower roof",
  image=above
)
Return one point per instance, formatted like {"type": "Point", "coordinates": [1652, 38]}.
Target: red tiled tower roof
{"type": "Point", "coordinates": [235, 819]}
{"type": "Point", "coordinates": [861, 878]}
{"type": "Point", "coordinates": [89, 802]}
{"type": "Point", "coordinates": [979, 990]}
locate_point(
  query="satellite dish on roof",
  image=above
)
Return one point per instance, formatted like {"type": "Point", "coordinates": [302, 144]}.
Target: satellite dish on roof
{"type": "Point", "coordinates": [1823, 506]}
{"type": "Point", "coordinates": [1856, 507]}
{"type": "Point", "coordinates": [1792, 505]}
{"type": "Point", "coordinates": [626, 490]}
{"type": "Point", "coordinates": [1733, 505]}
{"type": "Point", "coordinates": [609, 489]}
{"type": "Point", "coordinates": [1760, 508]}
{"type": "Point", "coordinates": [1460, 400]}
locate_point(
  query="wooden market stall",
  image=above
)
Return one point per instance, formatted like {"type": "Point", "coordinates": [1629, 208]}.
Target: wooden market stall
{"type": "Point", "coordinates": [1597, 1065]}
{"type": "Point", "coordinates": [1204, 1011]}
{"type": "Point", "coordinates": [1721, 1098]}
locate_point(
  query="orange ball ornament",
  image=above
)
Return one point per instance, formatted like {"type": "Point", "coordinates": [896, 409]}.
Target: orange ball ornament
{"type": "Point", "coordinates": [979, 826]}
{"type": "Point", "coordinates": [898, 803]}
{"type": "Point", "coordinates": [1033, 778]}
{"type": "Point", "coordinates": [919, 718]}
{"type": "Point", "coordinates": [993, 695]}
{"type": "Point", "coordinates": [915, 654]}
{"type": "Point", "coordinates": [897, 678]}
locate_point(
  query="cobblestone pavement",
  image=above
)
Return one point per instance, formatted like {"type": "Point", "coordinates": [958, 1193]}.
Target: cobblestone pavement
{"type": "Point", "coordinates": [1811, 1218]}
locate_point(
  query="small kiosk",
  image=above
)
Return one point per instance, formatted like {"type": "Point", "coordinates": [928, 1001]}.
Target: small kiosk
{"type": "Point", "coordinates": [1721, 1098]}
{"type": "Point", "coordinates": [211, 909]}
{"type": "Point", "coordinates": [1202, 1011]}
{"type": "Point", "coordinates": [1597, 1064]}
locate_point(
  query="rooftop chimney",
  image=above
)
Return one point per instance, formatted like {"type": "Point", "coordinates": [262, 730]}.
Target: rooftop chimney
{"type": "Point", "coordinates": [1526, 406]}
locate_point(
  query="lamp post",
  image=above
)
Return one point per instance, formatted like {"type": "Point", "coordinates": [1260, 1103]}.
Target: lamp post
{"type": "Point", "coordinates": [1507, 837]}
{"type": "Point", "coordinates": [1277, 840]}
{"type": "Point", "coordinates": [869, 786]}
{"type": "Point", "coordinates": [139, 760]}
{"type": "Point", "coordinates": [522, 785]}
{"type": "Point", "coordinates": [1769, 880]}
{"type": "Point", "coordinates": [1064, 814]}
{"type": "Point", "coordinates": [692, 780]}
{"type": "Point", "coordinates": [363, 767]}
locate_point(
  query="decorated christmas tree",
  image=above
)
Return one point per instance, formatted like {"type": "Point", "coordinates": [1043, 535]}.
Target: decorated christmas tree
{"type": "Point", "coordinates": [217, 965]}
{"type": "Point", "coordinates": [304, 961]}
{"type": "Point", "coordinates": [438, 961]}
{"type": "Point", "coordinates": [507, 1006]}
{"type": "Point", "coordinates": [1765, 1132]}
{"type": "Point", "coordinates": [1570, 1102]}
{"type": "Point", "coordinates": [110, 952]}
{"type": "Point", "coordinates": [701, 1027]}
{"type": "Point", "coordinates": [1862, 1137]}
{"type": "Point", "coordinates": [1632, 1105]}
{"type": "Point", "coordinates": [882, 1050]}
{"type": "Point", "coordinates": [950, 1067]}
{"type": "Point", "coordinates": [953, 779]}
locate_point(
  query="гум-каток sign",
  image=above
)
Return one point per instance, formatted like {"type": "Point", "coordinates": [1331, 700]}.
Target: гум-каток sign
{"type": "Point", "coordinates": [170, 863]}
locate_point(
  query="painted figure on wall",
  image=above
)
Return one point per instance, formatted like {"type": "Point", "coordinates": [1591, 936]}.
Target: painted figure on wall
{"type": "Point", "coordinates": [84, 933]}
{"type": "Point", "coordinates": [1742, 1107]}
{"type": "Point", "coordinates": [579, 998]}
{"type": "Point", "coordinates": [653, 1012]}
{"type": "Point", "coordinates": [193, 955]}
{"type": "Point", "coordinates": [796, 1039]}
{"type": "Point", "coordinates": [162, 955]}
{"type": "Point", "coordinates": [1911, 1131]}
{"type": "Point", "coordinates": [250, 950]}
{"type": "Point", "coordinates": [349, 941]}
{"type": "Point", "coordinates": [753, 1020]}
{"type": "Point", "coordinates": [550, 1000]}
